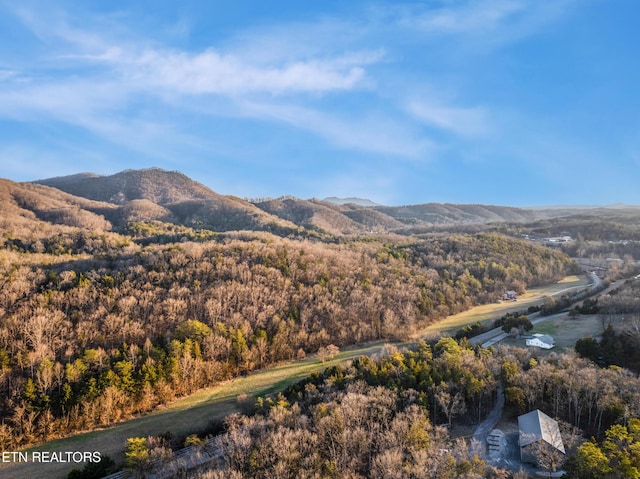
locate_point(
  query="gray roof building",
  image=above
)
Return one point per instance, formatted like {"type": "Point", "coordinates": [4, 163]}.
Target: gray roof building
{"type": "Point", "coordinates": [536, 428]}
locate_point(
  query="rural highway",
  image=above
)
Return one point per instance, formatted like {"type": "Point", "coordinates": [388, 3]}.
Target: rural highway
{"type": "Point", "coordinates": [496, 335]}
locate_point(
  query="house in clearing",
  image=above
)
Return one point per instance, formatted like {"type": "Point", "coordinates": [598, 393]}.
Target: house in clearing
{"type": "Point", "coordinates": [510, 296]}
{"type": "Point", "coordinates": [543, 341]}
{"type": "Point", "coordinates": [538, 435]}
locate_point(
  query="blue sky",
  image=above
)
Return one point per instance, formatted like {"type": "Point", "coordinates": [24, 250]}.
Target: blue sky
{"type": "Point", "coordinates": [510, 102]}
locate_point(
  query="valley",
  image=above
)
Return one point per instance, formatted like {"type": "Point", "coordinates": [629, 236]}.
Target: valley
{"type": "Point", "coordinates": [144, 303]}
{"type": "Point", "coordinates": [194, 413]}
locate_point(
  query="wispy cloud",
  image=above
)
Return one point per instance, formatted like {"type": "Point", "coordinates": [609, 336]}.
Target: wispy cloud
{"type": "Point", "coordinates": [468, 17]}
{"type": "Point", "coordinates": [466, 122]}
{"type": "Point", "coordinates": [369, 133]}
{"type": "Point", "coordinates": [217, 73]}
{"type": "Point", "coordinates": [479, 24]}
{"type": "Point", "coordinates": [314, 38]}
{"type": "Point", "coordinates": [117, 74]}
{"type": "Point", "coordinates": [211, 70]}
{"type": "Point", "coordinates": [7, 74]}
{"type": "Point", "coordinates": [334, 78]}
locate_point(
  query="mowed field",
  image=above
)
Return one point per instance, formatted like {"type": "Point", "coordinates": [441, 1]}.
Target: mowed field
{"type": "Point", "coordinates": [490, 312]}
{"type": "Point", "coordinates": [565, 332]}
{"type": "Point", "coordinates": [182, 417]}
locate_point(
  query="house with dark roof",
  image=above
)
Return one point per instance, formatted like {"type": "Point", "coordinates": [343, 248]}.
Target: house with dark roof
{"type": "Point", "coordinates": [539, 435]}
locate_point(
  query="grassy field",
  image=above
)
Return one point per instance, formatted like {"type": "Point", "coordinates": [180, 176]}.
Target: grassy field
{"type": "Point", "coordinates": [489, 312]}
{"type": "Point", "coordinates": [181, 417]}
{"type": "Point", "coordinates": [564, 331]}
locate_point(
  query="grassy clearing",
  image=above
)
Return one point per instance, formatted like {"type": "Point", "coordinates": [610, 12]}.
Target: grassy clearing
{"type": "Point", "coordinates": [181, 417]}
{"type": "Point", "coordinates": [489, 312]}
{"type": "Point", "coordinates": [568, 331]}
{"type": "Point", "coordinates": [548, 327]}
{"type": "Point", "coordinates": [270, 380]}
{"type": "Point", "coordinates": [570, 279]}
{"type": "Point", "coordinates": [564, 331]}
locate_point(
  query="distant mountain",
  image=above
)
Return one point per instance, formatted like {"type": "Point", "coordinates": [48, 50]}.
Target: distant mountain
{"type": "Point", "coordinates": [88, 200]}
{"type": "Point", "coordinates": [372, 219]}
{"type": "Point", "coordinates": [329, 214]}
{"type": "Point", "coordinates": [353, 201]}
{"type": "Point", "coordinates": [438, 214]}
{"type": "Point", "coordinates": [313, 214]}
{"type": "Point", "coordinates": [154, 184]}
{"type": "Point", "coordinates": [156, 194]}
{"type": "Point", "coordinates": [38, 209]}
{"type": "Point", "coordinates": [613, 206]}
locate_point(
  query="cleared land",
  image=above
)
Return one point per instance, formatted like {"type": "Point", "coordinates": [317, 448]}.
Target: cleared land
{"type": "Point", "coordinates": [565, 332]}
{"type": "Point", "coordinates": [488, 312]}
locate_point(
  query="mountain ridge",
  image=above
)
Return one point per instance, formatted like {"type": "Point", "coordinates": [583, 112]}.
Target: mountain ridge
{"type": "Point", "coordinates": [169, 196]}
{"type": "Point", "coordinates": [351, 200]}
{"type": "Point", "coordinates": [153, 194]}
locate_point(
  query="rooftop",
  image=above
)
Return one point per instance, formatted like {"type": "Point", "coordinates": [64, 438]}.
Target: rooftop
{"type": "Point", "coordinates": [535, 426]}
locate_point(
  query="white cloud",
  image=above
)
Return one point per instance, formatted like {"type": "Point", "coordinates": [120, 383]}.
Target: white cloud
{"type": "Point", "coordinates": [218, 73]}
{"type": "Point", "coordinates": [101, 108]}
{"type": "Point", "coordinates": [214, 70]}
{"type": "Point", "coordinates": [372, 134]}
{"type": "Point", "coordinates": [98, 84]}
{"type": "Point", "coordinates": [476, 16]}
{"type": "Point", "coordinates": [116, 75]}
{"type": "Point", "coordinates": [281, 73]}
{"type": "Point", "coordinates": [7, 74]}
{"type": "Point", "coordinates": [480, 24]}
{"type": "Point", "coordinates": [275, 43]}
{"type": "Point", "coordinates": [467, 122]}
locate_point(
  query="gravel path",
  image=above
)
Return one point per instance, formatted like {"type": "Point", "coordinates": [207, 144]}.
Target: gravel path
{"type": "Point", "coordinates": [486, 426]}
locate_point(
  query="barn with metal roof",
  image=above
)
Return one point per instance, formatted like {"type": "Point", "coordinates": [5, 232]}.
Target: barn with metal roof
{"type": "Point", "coordinates": [538, 432]}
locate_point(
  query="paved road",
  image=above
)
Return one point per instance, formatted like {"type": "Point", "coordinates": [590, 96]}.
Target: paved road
{"type": "Point", "coordinates": [496, 335]}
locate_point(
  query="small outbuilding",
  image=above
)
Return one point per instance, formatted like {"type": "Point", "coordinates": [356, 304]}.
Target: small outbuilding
{"type": "Point", "coordinates": [510, 296]}
{"type": "Point", "coordinates": [539, 435]}
{"type": "Point", "coordinates": [543, 341]}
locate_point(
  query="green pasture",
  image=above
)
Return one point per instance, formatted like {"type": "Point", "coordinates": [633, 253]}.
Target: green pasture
{"type": "Point", "coordinates": [489, 312]}
{"type": "Point", "coordinates": [564, 330]}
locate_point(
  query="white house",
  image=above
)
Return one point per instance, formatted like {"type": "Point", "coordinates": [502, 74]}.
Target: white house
{"type": "Point", "coordinates": [543, 341]}
{"type": "Point", "coordinates": [558, 239]}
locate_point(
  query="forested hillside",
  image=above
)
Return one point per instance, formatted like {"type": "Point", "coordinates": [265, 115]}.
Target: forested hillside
{"type": "Point", "coordinates": [96, 325]}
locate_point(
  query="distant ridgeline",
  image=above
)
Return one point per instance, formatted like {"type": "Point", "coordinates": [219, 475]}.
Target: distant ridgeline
{"type": "Point", "coordinates": [266, 198]}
